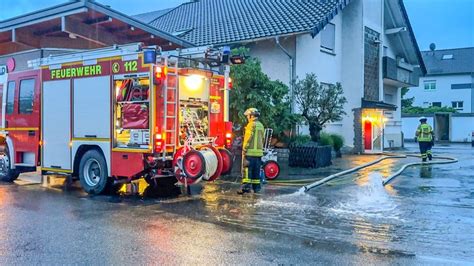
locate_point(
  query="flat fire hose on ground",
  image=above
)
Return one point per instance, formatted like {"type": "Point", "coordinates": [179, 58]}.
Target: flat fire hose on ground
{"type": "Point", "coordinates": [444, 160]}
{"type": "Point", "coordinates": [386, 180]}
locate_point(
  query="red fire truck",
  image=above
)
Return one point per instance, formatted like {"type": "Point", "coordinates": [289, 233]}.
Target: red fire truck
{"type": "Point", "coordinates": [112, 115]}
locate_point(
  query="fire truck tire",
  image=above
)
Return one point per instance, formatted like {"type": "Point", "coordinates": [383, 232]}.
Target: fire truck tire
{"type": "Point", "coordinates": [227, 161]}
{"type": "Point", "coordinates": [93, 172]}
{"type": "Point", "coordinates": [6, 173]}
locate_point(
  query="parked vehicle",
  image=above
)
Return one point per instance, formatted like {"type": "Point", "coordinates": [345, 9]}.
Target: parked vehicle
{"type": "Point", "coordinates": [112, 115]}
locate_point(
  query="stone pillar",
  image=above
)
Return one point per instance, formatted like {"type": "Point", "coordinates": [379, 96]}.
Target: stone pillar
{"type": "Point", "coordinates": [358, 131]}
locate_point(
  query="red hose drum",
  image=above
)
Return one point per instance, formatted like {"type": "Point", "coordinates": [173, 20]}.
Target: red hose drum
{"type": "Point", "coordinates": [271, 170]}
{"type": "Point", "coordinates": [227, 161]}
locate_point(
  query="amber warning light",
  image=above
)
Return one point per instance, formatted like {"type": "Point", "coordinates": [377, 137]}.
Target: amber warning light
{"type": "Point", "coordinates": [160, 74]}
{"type": "Point", "coordinates": [159, 142]}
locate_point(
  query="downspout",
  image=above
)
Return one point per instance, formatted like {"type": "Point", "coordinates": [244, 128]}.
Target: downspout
{"type": "Point", "coordinates": [290, 85]}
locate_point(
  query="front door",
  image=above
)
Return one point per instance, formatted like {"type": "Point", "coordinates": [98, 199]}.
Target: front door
{"type": "Point", "coordinates": [373, 131]}
{"type": "Point", "coordinates": [367, 135]}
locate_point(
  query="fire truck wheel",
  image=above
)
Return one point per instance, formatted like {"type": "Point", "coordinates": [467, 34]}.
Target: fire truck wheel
{"type": "Point", "coordinates": [93, 172]}
{"type": "Point", "coordinates": [6, 173]}
{"type": "Point", "coordinates": [227, 161]}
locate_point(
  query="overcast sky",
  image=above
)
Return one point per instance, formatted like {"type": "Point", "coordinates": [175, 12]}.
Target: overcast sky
{"type": "Point", "coordinates": [448, 23]}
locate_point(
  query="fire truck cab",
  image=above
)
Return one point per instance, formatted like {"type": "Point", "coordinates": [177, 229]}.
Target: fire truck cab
{"type": "Point", "coordinates": [112, 115]}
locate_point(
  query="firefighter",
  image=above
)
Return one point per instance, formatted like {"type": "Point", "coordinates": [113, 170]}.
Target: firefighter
{"type": "Point", "coordinates": [252, 152]}
{"type": "Point", "coordinates": [425, 138]}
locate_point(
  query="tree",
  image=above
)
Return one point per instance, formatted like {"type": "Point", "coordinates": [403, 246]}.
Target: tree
{"type": "Point", "coordinates": [253, 88]}
{"type": "Point", "coordinates": [406, 102]}
{"type": "Point", "coordinates": [318, 103]}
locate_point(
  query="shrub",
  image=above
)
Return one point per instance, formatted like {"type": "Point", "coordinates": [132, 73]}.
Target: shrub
{"type": "Point", "coordinates": [337, 141]}
{"type": "Point", "coordinates": [325, 139]}
{"type": "Point", "coordinates": [299, 140]}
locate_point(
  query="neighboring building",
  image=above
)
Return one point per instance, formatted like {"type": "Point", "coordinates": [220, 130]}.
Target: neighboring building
{"type": "Point", "coordinates": [366, 45]}
{"type": "Point", "coordinates": [449, 82]}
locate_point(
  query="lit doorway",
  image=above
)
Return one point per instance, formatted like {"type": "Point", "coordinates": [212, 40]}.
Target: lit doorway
{"type": "Point", "coordinates": [372, 126]}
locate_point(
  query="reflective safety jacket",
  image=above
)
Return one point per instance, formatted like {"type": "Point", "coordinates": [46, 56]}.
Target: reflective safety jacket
{"type": "Point", "coordinates": [253, 138]}
{"type": "Point", "coordinates": [424, 133]}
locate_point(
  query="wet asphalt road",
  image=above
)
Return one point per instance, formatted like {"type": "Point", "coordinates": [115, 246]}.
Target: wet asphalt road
{"type": "Point", "coordinates": [425, 216]}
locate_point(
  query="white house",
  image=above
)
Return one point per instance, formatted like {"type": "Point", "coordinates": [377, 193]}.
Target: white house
{"type": "Point", "coordinates": [449, 82]}
{"type": "Point", "coordinates": [367, 45]}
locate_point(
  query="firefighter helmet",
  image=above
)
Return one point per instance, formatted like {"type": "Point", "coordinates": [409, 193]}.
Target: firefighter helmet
{"type": "Point", "coordinates": [252, 111]}
{"type": "Point", "coordinates": [423, 119]}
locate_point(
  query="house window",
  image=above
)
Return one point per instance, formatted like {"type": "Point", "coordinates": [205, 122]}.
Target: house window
{"type": "Point", "coordinates": [10, 97]}
{"type": "Point", "coordinates": [25, 100]}
{"type": "Point", "coordinates": [430, 85]}
{"type": "Point", "coordinates": [436, 104]}
{"type": "Point", "coordinates": [458, 105]}
{"type": "Point", "coordinates": [325, 86]}
{"type": "Point", "coordinates": [328, 35]}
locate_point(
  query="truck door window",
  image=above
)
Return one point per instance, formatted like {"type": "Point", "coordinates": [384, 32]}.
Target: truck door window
{"type": "Point", "coordinates": [10, 97]}
{"type": "Point", "coordinates": [25, 102]}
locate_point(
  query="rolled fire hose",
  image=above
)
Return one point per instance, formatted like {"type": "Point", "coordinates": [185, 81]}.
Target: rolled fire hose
{"type": "Point", "coordinates": [210, 161]}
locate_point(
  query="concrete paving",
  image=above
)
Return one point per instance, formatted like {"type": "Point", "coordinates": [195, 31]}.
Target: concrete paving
{"type": "Point", "coordinates": [425, 216]}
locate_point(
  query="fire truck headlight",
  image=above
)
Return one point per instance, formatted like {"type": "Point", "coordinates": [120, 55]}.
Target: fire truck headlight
{"type": "Point", "coordinates": [193, 82]}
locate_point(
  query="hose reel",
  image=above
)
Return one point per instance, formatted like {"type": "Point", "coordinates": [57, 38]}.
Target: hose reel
{"type": "Point", "coordinates": [195, 164]}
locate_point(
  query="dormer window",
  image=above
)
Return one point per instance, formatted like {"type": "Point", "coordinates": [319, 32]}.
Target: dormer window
{"type": "Point", "coordinates": [181, 33]}
{"type": "Point", "coordinates": [447, 56]}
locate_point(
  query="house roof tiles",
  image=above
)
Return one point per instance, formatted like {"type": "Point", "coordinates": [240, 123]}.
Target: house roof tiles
{"type": "Point", "coordinates": [228, 21]}
{"type": "Point", "coordinates": [462, 61]}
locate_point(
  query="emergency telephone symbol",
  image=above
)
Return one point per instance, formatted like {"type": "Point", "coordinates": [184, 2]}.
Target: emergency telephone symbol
{"type": "Point", "coordinates": [115, 67]}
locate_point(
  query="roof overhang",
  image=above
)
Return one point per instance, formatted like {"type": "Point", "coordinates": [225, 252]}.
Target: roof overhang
{"type": "Point", "coordinates": [320, 26]}
{"type": "Point", "coordinates": [404, 41]}
{"type": "Point", "coordinates": [366, 104]}
{"type": "Point", "coordinates": [79, 24]}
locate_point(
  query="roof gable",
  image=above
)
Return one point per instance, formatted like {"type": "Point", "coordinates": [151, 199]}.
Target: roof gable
{"type": "Point", "coordinates": [88, 23]}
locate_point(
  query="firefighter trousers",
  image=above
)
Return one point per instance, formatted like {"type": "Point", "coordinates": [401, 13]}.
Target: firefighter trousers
{"type": "Point", "coordinates": [251, 175]}
{"type": "Point", "coordinates": [425, 150]}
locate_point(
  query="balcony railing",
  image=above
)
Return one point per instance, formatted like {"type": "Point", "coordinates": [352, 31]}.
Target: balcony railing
{"type": "Point", "coordinates": [403, 74]}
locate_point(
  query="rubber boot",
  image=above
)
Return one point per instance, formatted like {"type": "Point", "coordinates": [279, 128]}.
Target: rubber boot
{"type": "Point", "coordinates": [244, 188]}
{"type": "Point", "coordinates": [256, 188]}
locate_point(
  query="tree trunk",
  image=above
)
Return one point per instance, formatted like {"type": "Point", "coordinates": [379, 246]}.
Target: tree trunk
{"type": "Point", "coordinates": [314, 131]}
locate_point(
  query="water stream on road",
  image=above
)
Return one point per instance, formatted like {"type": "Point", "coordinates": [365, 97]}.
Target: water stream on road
{"type": "Point", "coordinates": [417, 215]}
{"type": "Point", "coordinates": [426, 212]}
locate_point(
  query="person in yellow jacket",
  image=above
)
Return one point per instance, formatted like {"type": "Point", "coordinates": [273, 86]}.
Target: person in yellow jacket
{"type": "Point", "coordinates": [252, 152]}
{"type": "Point", "coordinates": [425, 138]}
